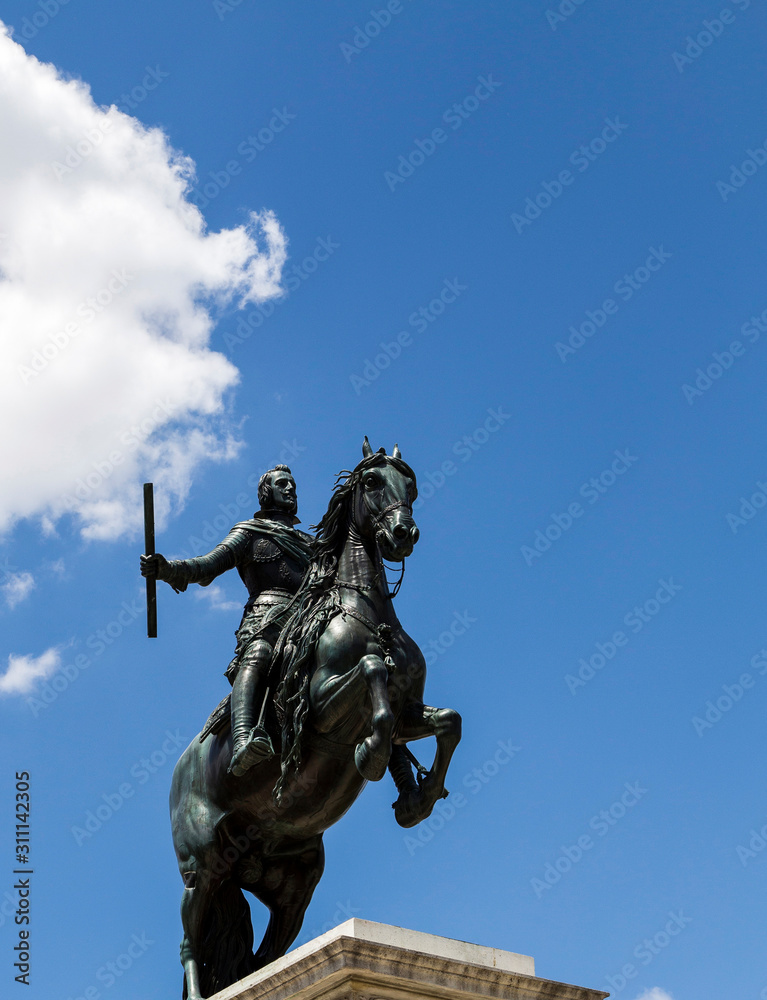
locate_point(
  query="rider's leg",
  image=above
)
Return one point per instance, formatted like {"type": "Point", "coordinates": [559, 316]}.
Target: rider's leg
{"type": "Point", "coordinates": [250, 743]}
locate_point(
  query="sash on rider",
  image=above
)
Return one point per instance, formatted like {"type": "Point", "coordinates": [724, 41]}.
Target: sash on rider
{"type": "Point", "coordinates": [259, 618]}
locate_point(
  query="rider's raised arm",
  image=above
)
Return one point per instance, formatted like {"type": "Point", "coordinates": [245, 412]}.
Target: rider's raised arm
{"type": "Point", "coordinates": [204, 569]}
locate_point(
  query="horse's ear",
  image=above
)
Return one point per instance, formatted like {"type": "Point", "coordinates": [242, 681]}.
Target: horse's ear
{"type": "Point", "coordinates": [396, 453]}
{"type": "Point", "coordinates": [367, 451]}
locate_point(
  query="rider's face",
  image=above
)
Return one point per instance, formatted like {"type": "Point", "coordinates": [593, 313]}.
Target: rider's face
{"type": "Point", "coordinates": [284, 492]}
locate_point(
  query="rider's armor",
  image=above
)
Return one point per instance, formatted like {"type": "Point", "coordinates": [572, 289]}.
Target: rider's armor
{"type": "Point", "coordinates": [271, 558]}
{"type": "Point", "coordinates": [271, 574]}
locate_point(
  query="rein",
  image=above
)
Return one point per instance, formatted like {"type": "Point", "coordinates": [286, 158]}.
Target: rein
{"type": "Point", "coordinates": [382, 632]}
{"type": "Point", "coordinates": [391, 593]}
{"type": "Point", "coordinates": [398, 584]}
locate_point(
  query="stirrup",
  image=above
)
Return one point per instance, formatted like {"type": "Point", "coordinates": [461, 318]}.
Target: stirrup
{"type": "Point", "coordinates": [257, 748]}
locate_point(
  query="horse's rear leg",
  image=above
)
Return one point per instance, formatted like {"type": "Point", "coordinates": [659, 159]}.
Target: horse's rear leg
{"type": "Point", "coordinates": [198, 890]}
{"type": "Point", "coordinates": [286, 888]}
{"type": "Point", "coordinates": [416, 801]}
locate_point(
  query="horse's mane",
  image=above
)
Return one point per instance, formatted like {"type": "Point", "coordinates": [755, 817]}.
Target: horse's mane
{"type": "Point", "coordinates": [315, 603]}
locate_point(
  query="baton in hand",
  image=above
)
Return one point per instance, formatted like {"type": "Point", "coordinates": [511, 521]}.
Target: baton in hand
{"type": "Point", "coordinates": [151, 583]}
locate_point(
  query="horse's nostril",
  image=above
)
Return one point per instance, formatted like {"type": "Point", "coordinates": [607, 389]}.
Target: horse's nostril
{"type": "Point", "coordinates": [415, 534]}
{"type": "Point", "coordinates": [400, 532]}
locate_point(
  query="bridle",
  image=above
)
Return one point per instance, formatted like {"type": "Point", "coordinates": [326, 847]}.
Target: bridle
{"type": "Point", "coordinates": [377, 517]}
{"type": "Point", "coordinates": [382, 632]}
{"type": "Point", "coordinates": [392, 506]}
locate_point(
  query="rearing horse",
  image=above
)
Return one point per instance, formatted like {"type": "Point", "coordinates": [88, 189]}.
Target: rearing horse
{"type": "Point", "coordinates": [350, 698]}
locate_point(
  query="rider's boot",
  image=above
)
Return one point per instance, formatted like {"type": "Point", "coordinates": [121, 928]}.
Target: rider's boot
{"type": "Point", "coordinates": [250, 743]}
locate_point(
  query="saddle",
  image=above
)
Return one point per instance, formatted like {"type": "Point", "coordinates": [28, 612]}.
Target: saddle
{"type": "Point", "coordinates": [218, 718]}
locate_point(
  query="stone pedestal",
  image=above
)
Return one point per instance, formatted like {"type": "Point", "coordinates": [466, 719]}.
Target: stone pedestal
{"type": "Point", "coordinates": [360, 960]}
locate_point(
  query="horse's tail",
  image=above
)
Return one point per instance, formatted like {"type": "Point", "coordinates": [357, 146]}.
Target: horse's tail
{"type": "Point", "coordinates": [227, 942]}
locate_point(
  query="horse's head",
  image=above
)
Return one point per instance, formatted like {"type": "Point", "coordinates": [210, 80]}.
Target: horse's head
{"type": "Point", "coordinates": [382, 503]}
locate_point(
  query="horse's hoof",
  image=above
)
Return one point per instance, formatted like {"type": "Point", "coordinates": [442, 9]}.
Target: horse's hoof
{"type": "Point", "coordinates": [408, 809]}
{"type": "Point", "coordinates": [371, 764]}
{"type": "Point", "coordinates": [415, 805]}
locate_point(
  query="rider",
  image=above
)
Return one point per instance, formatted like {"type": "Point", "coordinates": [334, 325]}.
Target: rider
{"type": "Point", "coordinates": [271, 557]}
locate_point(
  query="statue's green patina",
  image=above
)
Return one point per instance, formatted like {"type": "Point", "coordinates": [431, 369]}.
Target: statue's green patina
{"type": "Point", "coordinates": [349, 697]}
{"type": "Point", "coordinates": [271, 557]}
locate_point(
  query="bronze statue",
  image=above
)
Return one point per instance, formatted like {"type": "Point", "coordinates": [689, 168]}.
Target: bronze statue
{"type": "Point", "coordinates": [271, 557]}
{"type": "Point", "coordinates": [350, 697]}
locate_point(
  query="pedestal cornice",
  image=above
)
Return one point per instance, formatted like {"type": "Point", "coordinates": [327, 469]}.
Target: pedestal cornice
{"type": "Point", "coordinates": [360, 960]}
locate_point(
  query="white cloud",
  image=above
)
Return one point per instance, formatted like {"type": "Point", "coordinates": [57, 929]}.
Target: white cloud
{"type": "Point", "coordinates": [24, 671]}
{"type": "Point", "coordinates": [656, 993]}
{"type": "Point", "coordinates": [18, 587]}
{"type": "Point", "coordinates": [216, 598]}
{"type": "Point", "coordinates": [110, 284]}
{"type": "Point", "coordinates": [58, 568]}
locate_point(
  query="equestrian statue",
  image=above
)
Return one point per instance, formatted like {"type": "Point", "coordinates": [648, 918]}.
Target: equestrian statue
{"type": "Point", "coordinates": [327, 693]}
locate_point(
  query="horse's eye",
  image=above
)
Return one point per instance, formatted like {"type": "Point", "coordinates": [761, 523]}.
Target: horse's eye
{"type": "Point", "coordinates": [372, 483]}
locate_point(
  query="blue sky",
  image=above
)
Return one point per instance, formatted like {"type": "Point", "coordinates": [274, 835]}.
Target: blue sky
{"type": "Point", "coordinates": [524, 245]}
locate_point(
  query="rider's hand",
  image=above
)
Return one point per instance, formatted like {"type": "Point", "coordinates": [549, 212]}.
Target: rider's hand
{"type": "Point", "coordinates": [154, 567]}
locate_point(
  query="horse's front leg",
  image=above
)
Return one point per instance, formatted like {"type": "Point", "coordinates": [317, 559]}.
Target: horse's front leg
{"type": "Point", "coordinates": [337, 698]}
{"type": "Point", "coordinates": [417, 799]}
{"type": "Point", "coordinates": [372, 755]}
